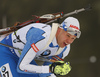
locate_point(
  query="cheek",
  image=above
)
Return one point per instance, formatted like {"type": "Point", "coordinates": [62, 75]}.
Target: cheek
{"type": "Point", "coordinates": [71, 41]}
{"type": "Point", "coordinates": [64, 37]}
{"type": "Point", "coordinates": [59, 38]}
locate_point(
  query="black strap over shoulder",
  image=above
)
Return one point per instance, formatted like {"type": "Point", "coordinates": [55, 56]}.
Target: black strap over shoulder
{"type": "Point", "coordinates": [18, 38]}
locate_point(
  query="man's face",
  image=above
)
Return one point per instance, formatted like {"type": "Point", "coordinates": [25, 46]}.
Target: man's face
{"type": "Point", "coordinates": [64, 38]}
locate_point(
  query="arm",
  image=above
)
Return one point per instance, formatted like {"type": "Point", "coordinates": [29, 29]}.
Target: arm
{"type": "Point", "coordinates": [29, 52]}
{"type": "Point", "coordinates": [25, 66]}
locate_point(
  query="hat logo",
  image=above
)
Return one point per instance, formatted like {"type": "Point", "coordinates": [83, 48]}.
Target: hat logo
{"type": "Point", "coordinates": [75, 27]}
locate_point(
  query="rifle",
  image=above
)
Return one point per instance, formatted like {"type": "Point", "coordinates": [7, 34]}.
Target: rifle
{"type": "Point", "coordinates": [38, 19]}
{"type": "Point", "coordinates": [47, 18]}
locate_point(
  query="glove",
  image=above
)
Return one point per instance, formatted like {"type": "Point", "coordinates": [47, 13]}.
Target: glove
{"type": "Point", "coordinates": [60, 68]}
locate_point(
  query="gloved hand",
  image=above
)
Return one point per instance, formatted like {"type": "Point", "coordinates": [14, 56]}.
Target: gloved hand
{"type": "Point", "coordinates": [60, 68]}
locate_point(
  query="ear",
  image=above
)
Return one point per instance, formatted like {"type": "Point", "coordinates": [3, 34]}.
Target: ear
{"type": "Point", "coordinates": [58, 31]}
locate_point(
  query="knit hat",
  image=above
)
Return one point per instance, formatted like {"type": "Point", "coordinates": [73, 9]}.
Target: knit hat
{"type": "Point", "coordinates": [71, 25]}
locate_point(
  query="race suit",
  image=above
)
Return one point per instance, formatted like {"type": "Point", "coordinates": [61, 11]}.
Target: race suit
{"type": "Point", "coordinates": [31, 39]}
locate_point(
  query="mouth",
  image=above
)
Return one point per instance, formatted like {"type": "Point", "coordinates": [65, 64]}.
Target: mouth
{"type": "Point", "coordinates": [65, 44]}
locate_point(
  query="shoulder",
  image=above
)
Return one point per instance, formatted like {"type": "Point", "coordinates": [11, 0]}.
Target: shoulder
{"type": "Point", "coordinates": [41, 26]}
{"type": "Point", "coordinates": [38, 32]}
{"type": "Point", "coordinates": [44, 27]}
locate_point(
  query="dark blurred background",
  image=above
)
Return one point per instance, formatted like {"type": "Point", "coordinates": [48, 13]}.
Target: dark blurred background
{"type": "Point", "coordinates": [84, 53]}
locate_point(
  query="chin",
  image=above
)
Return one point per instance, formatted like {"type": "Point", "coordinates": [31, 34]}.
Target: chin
{"type": "Point", "coordinates": [62, 46]}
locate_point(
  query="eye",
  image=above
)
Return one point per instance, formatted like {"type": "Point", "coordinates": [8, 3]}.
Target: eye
{"type": "Point", "coordinates": [68, 35]}
{"type": "Point", "coordinates": [74, 38]}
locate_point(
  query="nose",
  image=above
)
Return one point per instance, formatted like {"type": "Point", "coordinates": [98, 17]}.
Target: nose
{"type": "Point", "coordinates": [69, 41]}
